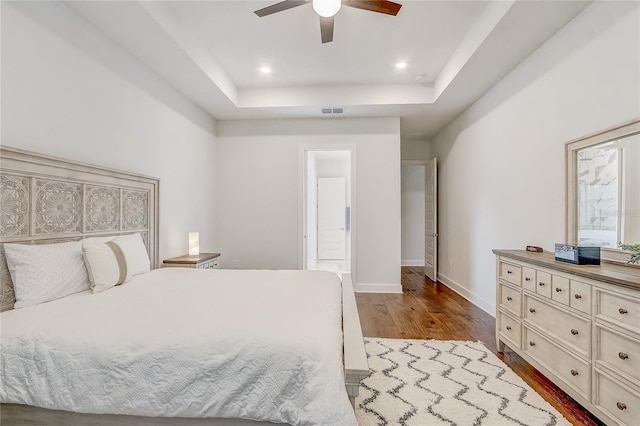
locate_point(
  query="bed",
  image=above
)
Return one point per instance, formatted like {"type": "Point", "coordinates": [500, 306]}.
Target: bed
{"type": "Point", "coordinates": [172, 345]}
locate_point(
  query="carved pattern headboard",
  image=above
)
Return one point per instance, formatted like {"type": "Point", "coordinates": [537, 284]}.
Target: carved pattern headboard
{"type": "Point", "coordinates": [45, 199]}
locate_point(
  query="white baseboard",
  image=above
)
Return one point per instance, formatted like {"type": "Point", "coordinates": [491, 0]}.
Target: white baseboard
{"type": "Point", "coordinates": [377, 288]}
{"type": "Point", "coordinates": [485, 305]}
{"type": "Point", "coordinates": [412, 262]}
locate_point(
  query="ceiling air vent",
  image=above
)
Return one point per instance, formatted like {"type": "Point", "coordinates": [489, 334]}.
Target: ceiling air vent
{"type": "Point", "coordinates": [332, 110]}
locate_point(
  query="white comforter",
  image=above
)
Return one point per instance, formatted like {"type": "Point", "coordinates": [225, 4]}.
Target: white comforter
{"type": "Point", "coordinates": [261, 345]}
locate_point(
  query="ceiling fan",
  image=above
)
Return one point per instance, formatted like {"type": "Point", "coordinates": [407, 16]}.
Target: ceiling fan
{"type": "Point", "coordinates": [327, 10]}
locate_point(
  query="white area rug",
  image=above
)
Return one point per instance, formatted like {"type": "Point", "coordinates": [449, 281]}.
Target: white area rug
{"type": "Point", "coordinates": [437, 382]}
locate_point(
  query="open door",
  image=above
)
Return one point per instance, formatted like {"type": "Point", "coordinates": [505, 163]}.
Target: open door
{"type": "Point", "coordinates": [431, 218]}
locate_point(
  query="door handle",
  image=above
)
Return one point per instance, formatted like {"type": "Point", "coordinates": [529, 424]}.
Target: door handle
{"type": "Point", "coordinates": [435, 235]}
{"type": "Point", "coordinates": [342, 229]}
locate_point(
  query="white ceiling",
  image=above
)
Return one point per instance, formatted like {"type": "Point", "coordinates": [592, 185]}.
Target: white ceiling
{"type": "Point", "coordinates": [365, 50]}
{"type": "Point", "coordinates": [212, 51]}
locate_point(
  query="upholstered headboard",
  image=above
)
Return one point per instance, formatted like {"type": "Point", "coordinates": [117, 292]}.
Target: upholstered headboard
{"type": "Point", "coordinates": [45, 199]}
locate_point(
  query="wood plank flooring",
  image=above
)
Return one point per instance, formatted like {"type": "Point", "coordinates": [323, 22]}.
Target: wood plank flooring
{"type": "Point", "coordinates": [432, 311]}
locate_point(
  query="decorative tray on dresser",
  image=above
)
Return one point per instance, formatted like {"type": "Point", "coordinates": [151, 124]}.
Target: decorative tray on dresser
{"type": "Point", "coordinates": [578, 325]}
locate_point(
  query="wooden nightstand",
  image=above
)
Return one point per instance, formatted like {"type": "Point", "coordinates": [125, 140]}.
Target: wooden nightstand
{"type": "Point", "coordinates": [202, 261]}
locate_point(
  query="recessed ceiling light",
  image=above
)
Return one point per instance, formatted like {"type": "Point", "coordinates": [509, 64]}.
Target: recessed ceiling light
{"type": "Point", "coordinates": [401, 65]}
{"type": "Point", "coordinates": [265, 70]}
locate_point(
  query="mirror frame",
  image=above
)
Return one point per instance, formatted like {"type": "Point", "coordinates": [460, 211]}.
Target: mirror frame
{"type": "Point", "coordinates": [628, 128]}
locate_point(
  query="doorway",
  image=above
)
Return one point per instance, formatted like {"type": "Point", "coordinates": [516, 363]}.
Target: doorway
{"type": "Point", "coordinates": [419, 189]}
{"type": "Point", "coordinates": [332, 219]}
{"type": "Point", "coordinates": [327, 235]}
{"type": "Point", "coordinates": [413, 212]}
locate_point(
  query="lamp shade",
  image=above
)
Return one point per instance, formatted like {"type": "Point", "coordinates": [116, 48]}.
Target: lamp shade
{"type": "Point", "coordinates": [194, 243]}
{"type": "Point", "coordinates": [327, 8]}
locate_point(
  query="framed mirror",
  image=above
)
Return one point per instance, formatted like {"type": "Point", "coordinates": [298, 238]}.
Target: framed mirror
{"type": "Point", "coordinates": [603, 190]}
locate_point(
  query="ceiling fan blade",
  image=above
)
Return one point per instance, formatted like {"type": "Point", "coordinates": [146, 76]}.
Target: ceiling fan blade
{"type": "Point", "coordinates": [279, 7]}
{"type": "Point", "coordinates": [380, 6]}
{"type": "Point", "coordinates": [326, 29]}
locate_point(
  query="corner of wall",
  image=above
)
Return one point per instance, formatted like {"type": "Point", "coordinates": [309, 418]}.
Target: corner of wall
{"type": "Point", "coordinates": [487, 306]}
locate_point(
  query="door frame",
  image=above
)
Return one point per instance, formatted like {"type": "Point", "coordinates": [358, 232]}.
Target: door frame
{"type": "Point", "coordinates": [303, 151]}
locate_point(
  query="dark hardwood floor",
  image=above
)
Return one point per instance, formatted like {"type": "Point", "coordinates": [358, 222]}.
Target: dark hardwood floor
{"type": "Point", "coordinates": [428, 310]}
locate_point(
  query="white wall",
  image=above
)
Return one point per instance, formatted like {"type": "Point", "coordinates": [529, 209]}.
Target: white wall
{"type": "Point", "coordinates": [413, 216]}
{"type": "Point", "coordinates": [335, 167]}
{"type": "Point", "coordinates": [502, 161]}
{"type": "Point", "coordinates": [68, 91]}
{"type": "Point", "coordinates": [412, 149]}
{"type": "Point", "coordinates": [312, 210]}
{"type": "Point", "coordinates": [259, 195]}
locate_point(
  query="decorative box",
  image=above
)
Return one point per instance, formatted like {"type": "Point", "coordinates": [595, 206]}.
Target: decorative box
{"type": "Point", "coordinates": [578, 255]}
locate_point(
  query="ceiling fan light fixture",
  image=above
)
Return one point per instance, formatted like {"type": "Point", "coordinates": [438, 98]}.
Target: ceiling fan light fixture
{"type": "Point", "coordinates": [327, 8]}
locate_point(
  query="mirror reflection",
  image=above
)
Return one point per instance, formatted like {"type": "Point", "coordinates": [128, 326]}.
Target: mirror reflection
{"type": "Point", "coordinates": [608, 178]}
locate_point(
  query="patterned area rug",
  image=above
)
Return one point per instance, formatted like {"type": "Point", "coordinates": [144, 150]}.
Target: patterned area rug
{"type": "Point", "coordinates": [438, 382]}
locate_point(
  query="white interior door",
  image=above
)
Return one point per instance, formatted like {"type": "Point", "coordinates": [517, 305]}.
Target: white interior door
{"type": "Point", "coordinates": [431, 221]}
{"type": "Point", "coordinates": [332, 236]}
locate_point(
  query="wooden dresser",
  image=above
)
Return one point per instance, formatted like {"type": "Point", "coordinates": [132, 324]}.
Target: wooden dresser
{"type": "Point", "coordinates": [578, 325]}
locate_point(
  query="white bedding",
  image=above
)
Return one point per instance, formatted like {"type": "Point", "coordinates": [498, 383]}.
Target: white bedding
{"type": "Point", "coordinates": [177, 342]}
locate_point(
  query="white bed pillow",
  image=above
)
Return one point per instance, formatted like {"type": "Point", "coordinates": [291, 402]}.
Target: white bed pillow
{"type": "Point", "coordinates": [41, 273]}
{"type": "Point", "coordinates": [135, 252]}
{"type": "Point", "coordinates": [114, 262]}
{"type": "Point", "coordinates": [106, 265]}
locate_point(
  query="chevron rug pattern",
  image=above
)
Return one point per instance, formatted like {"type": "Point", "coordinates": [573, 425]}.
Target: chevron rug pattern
{"type": "Point", "coordinates": [440, 382]}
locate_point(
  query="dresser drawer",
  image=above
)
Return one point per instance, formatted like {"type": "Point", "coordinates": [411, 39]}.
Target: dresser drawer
{"type": "Point", "coordinates": [567, 327]}
{"type": "Point", "coordinates": [621, 309]}
{"type": "Point", "coordinates": [510, 299]}
{"type": "Point", "coordinates": [619, 351]}
{"type": "Point", "coordinates": [510, 329]}
{"type": "Point", "coordinates": [616, 400]}
{"type": "Point", "coordinates": [543, 284]}
{"type": "Point", "coordinates": [529, 279]}
{"type": "Point", "coordinates": [560, 289]}
{"type": "Point", "coordinates": [510, 272]}
{"type": "Point", "coordinates": [209, 264]}
{"type": "Point", "coordinates": [573, 370]}
{"type": "Point", "coordinates": [580, 298]}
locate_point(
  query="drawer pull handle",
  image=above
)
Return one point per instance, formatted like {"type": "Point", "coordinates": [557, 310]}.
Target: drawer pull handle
{"type": "Point", "coordinates": [558, 289]}
{"type": "Point", "coordinates": [577, 296]}
{"type": "Point", "coordinates": [508, 328]}
{"type": "Point", "coordinates": [527, 279]}
{"type": "Point", "coordinates": [622, 311]}
{"type": "Point", "coordinates": [574, 331]}
{"type": "Point", "coordinates": [532, 310]}
{"type": "Point", "coordinates": [509, 272]}
{"type": "Point", "coordinates": [532, 343]}
{"type": "Point", "coordinates": [622, 355]}
{"type": "Point", "coordinates": [541, 284]}
{"type": "Point", "coordinates": [509, 298]}
{"type": "Point", "coordinates": [621, 406]}
{"type": "Point", "coordinates": [574, 372]}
